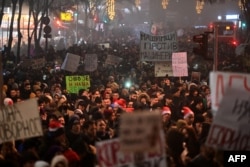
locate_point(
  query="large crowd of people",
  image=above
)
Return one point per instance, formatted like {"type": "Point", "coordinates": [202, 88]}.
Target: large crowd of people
{"type": "Point", "coordinates": [74, 123]}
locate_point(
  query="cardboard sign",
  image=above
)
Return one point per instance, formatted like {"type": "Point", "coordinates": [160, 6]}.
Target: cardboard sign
{"type": "Point", "coordinates": [71, 62]}
{"type": "Point", "coordinates": [38, 63]}
{"type": "Point", "coordinates": [75, 83]}
{"type": "Point", "coordinates": [104, 45]}
{"type": "Point", "coordinates": [109, 154]}
{"type": "Point", "coordinates": [163, 68]}
{"type": "Point", "coordinates": [219, 82]}
{"type": "Point", "coordinates": [112, 60]}
{"type": "Point", "coordinates": [20, 121]}
{"type": "Point", "coordinates": [229, 130]}
{"type": "Point", "coordinates": [158, 48]}
{"type": "Point", "coordinates": [139, 131]}
{"type": "Point", "coordinates": [90, 62]}
{"type": "Point", "coordinates": [179, 64]}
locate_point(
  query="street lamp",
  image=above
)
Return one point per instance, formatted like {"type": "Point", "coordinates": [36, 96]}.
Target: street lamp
{"type": "Point", "coordinates": [77, 18]}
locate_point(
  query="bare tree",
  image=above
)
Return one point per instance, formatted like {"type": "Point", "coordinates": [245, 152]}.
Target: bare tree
{"type": "Point", "coordinates": [19, 30]}
{"type": "Point", "coordinates": [14, 4]}
{"type": "Point", "coordinates": [2, 11]}
{"type": "Point", "coordinates": [37, 10]}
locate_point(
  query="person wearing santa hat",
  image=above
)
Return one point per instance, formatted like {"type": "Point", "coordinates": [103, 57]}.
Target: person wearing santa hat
{"type": "Point", "coordinates": [55, 141]}
{"type": "Point", "coordinates": [166, 118]}
{"type": "Point", "coordinates": [188, 115]}
{"type": "Point", "coordinates": [8, 102]}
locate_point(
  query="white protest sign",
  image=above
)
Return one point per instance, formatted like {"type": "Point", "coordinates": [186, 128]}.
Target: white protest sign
{"type": "Point", "coordinates": [20, 121]}
{"type": "Point", "coordinates": [90, 62]}
{"type": "Point", "coordinates": [112, 60]}
{"type": "Point", "coordinates": [71, 62]}
{"type": "Point", "coordinates": [104, 45]}
{"type": "Point", "coordinates": [229, 130]}
{"type": "Point", "coordinates": [158, 48]}
{"type": "Point", "coordinates": [109, 154]}
{"type": "Point", "coordinates": [220, 81]}
{"type": "Point", "coordinates": [163, 68]}
{"type": "Point", "coordinates": [179, 64]}
{"type": "Point", "coordinates": [139, 131]}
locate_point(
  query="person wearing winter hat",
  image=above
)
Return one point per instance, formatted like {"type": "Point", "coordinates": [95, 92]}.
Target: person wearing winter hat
{"type": "Point", "coordinates": [8, 102]}
{"type": "Point", "coordinates": [54, 138]}
{"type": "Point", "coordinates": [166, 118]}
{"type": "Point", "coordinates": [41, 163]}
{"type": "Point", "coordinates": [176, 104]}
{"type": "Point", "coordinates": [55, 129]}
{"type": "Point", "coordinates": [188, 115]}
{"type": "Point", "coordinates": [59, 160]}
{"type": "Point", "coordinates": [73, 129]}
{"type": "Point", "coordinates": [72, 157]}
{"type": "Point", "coordinates": [166, 111]}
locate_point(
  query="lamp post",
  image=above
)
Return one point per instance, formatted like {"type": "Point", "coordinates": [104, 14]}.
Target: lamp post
{"type": "Point", "coordinates": [47, 13]}
{"type": "Point", "coordinates": [77, 6]}
{"type": "Point", "coordinates": [215, 47]}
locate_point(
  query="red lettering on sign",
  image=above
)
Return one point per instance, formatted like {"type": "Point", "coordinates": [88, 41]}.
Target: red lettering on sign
{"type": "Point", "coordinates": [221, 83]}
{"type": "Point", "coordinates": [114, 149]}
{"type": "Point", "coordinates": [243, 78]}
{"type": "Point", "coordinates": [109, 154]}
{"type": "Point", "coordinates": [103, 155]}
{"type": "Point", "coordinates": [219, 88]}
{"type": "Point", "coordinates": [228, 138]}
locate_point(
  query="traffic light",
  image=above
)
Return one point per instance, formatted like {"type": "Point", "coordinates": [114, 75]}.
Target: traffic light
{"type": "Point", "coordinates": [47, 29]}
{"type": "Point", "coordinates": [96, 18]}
{"type": "Point", "coordinates": [202, 44]}
{"type": "Point", "coordinates": [243, 25]}
{"type": "Point", "coordinates": [105, 19]}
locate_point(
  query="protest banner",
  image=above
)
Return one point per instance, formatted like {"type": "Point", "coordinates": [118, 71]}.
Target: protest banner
{"type": "Point", "coordinates": [163, 68]}
{"type": "Point", "coordinates": [112, 60]}
{"type": "Point", "coordinates": [139, 131]}
{"type": "Point", "coordinates": [109, 154]}
{"type": "Point", "coordinates": [75, 83]}
{"type": "Point", "coordinates": [104, 45]}
{"type": "Point", "coordinates": [90, 62]}
{"type": "Point", "coordinates": [158, 48]}
{"type": "Point", "coordinates": [38, 63]}
{"type": "Point", "coordinates": [229, 129]}
{"type": "Point", "coordinates": [20, 121]}
{"type": "Point", "coordinates": [71, 62]}
{"type": "Point", "coordinates": [179, 64]}
{"type": "Point", "coordinates": [220, 81]}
